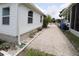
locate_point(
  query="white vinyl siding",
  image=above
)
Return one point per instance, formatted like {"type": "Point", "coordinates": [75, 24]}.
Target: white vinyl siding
{"type": "Point", "coordinates": [17, 12]}
{"type": "Point", "coordinates": [12, 28]}
{"type": "Point", "coordinates": [23, 19]}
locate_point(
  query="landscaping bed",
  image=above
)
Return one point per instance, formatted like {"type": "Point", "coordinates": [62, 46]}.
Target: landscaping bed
{"type": "Point", "coordinates": [4, 45]}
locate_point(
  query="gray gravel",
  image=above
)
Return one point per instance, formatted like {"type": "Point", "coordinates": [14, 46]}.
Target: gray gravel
{"type": "Point", "coordinates": [53, 41]}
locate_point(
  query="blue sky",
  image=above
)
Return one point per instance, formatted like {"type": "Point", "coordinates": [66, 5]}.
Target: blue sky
{"type": "Point", "coordinates": [45, 5]}
{"type": "Point", "coordinates": [52, 9]}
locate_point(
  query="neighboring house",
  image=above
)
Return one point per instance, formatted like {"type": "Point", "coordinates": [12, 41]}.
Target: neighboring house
{"type": "Point", "coordinates": [16, 19]}
{"type": "Point", "coordinates": [73, 12]}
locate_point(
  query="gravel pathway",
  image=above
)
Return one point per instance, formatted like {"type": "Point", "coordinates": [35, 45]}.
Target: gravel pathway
{"type": "Point", "coordinates": [53, 41]}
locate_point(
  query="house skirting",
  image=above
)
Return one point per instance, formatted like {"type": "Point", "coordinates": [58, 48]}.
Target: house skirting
{"type": "Point", "coordinates": [8, 38]}
{"type": "Point", "coordinates": [74, 32]}
{"type": "Point", "coordinates": [14, 39]}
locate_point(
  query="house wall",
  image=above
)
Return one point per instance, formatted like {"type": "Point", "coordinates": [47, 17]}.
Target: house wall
{"type": "Point", "coordinates": [10, 29]}
{"type": "Point", "coordinates": [23, 19]}
{"type": "Point", "coordinates": [18, 15]}
{"type": "Point", "coordinates": [74, 31]}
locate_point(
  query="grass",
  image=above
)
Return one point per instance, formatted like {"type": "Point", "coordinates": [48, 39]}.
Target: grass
{"type": "Point", "coordinates": [35, 52]}
{"type": "Point", "coordinates": [73, 39]}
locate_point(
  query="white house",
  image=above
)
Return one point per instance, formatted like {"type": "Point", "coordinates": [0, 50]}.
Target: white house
{"type": "Point", "coordinates": [72, 14]}
{"type": "Point", "coordinates": [16, 19]}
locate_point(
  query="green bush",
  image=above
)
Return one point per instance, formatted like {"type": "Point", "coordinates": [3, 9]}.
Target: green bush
{"type": "Point", "coordinates": [4, 46]}
{"type": "Point", "coordinates": [58, 20]}
{"type": "Point", "coordinates": [2, 41]}
{"type": "Point", "coordinates": [39, 29]}
{"type": "Point", "coordinates": [46, 21]}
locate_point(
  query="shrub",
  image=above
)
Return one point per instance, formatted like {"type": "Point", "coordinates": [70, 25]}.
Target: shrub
{"type": "Point", "coordinates": [4, 46]}
{"type": "Point", "coordinates": [39, 29]}
{"type": "Point", "coordinates": [58, 20]}
{"type": "Point", "coordinates": [31, 35]}
{"type": "Point", "coordinates": [46, 21]}
{"type": "Point", "coordinates": [53, 20]}
{"type": "Point", "coordinates": [1, 41]}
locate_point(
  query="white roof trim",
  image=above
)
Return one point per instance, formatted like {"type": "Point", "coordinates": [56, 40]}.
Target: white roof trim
{"type": "Point", "coordinates": [35, 7]}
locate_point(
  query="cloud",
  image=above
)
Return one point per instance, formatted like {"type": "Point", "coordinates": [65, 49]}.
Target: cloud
{"type": "Point", "coordinates": [54, 10]}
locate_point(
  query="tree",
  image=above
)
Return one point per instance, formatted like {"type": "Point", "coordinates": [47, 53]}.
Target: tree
{"type": "Point", "coordinates": [58, 20]}
{"type": "Point", "coordinates": [53, 20]}
{"type": "Point", "coordinates": [46, 21]}
{"type": "Point", "coordinates": [49, 18]}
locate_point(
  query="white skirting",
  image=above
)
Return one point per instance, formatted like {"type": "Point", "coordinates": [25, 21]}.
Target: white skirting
{"type": "Point", "coordinates": [74, 32]}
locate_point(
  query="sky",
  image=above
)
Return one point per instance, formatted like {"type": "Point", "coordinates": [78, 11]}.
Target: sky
{"type": "Point", "coordinates": [53, 9]}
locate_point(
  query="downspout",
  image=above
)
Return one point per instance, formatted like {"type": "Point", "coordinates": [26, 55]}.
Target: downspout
{"type": "Point", "coordinates": [18, 31]}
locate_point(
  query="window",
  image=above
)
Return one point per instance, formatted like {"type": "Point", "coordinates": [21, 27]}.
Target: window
{"type": "Point", "coordinates": [30, 17]}
{"type": "Point", "coordinates": [6, 20]}
{"type": "Point", "coordinates": [40, 18]}
{"type": "Point", "coordinates": [6, 11]}
{"type": "Point", "coordinates": [5, 15]}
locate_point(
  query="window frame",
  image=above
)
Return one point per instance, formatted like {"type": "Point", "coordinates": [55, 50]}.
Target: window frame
{"type": "Point", "coordinates": [5, 16]}
{"type": "Point", "coordinates": [5, 22]}
{"type": "Point", "coordinates": [40, 19]}
{"type": "Point", "coordinates": [30, 16]}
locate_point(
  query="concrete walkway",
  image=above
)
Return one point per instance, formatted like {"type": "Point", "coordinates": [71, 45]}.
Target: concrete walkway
{"type": "Point", "coordinates": [53, 41]}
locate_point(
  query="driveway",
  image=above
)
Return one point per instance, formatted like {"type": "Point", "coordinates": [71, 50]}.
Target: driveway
{"type": "Point", "coordinates": [53, 41]}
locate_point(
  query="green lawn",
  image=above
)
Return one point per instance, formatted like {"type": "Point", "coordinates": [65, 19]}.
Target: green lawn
{"type": "Point", "coordinates": [34, 52]}
{"type": "Point", "coordinates": [73, 39]}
